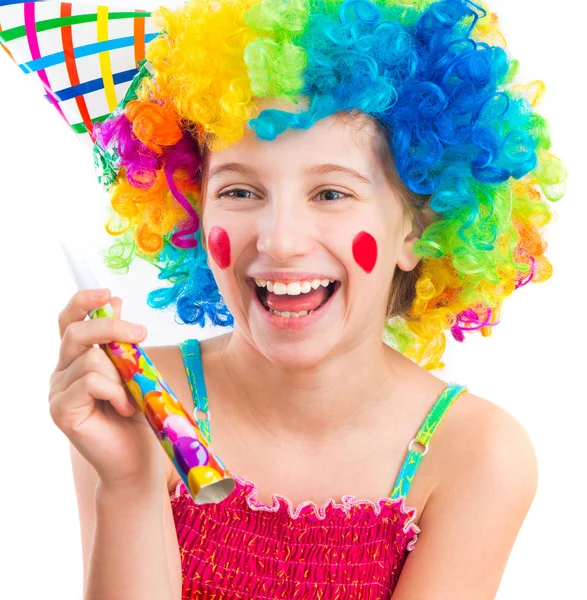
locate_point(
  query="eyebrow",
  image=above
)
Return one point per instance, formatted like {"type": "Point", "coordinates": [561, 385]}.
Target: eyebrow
{"type": "Point", "coordinates": [231, 167]}
{"type": "Point", "coordinates": [331, 168]}
{"type": "Point", "coordinates": [234, 167]}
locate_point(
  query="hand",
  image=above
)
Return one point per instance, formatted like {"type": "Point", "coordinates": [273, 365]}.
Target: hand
{"type": "Point", "coordinates": [90, 403]}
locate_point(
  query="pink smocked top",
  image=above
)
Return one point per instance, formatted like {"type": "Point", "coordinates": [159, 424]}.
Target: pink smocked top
{"type": "Point", "coordinates": [242, 548]}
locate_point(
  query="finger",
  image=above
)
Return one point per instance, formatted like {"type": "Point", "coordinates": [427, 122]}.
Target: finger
{"type": "Point", "coordinates": [94, 360]}
{"type": "Point", "coordinates": [71, 408]}
{"type": "Point", "coordinates": [80, 336]}
{"type": "Point", "coordinates": [79, 306]}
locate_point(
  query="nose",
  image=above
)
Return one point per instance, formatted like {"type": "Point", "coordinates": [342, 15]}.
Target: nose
{"type": "Point", "coordinates": [285, 231]}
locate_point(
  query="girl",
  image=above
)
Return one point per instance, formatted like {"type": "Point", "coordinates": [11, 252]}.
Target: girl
{"type": "Point", "coordinates": [306, 171]}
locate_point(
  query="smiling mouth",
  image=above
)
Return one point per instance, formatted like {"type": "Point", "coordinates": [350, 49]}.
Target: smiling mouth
{"type": "Point", "coordinates": [262, 296]}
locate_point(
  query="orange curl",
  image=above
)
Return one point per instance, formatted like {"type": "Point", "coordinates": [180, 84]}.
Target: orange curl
{"type": "Point", "coordinates": [153, 124]}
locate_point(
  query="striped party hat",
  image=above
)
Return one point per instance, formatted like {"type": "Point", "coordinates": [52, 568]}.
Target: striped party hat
{"type": "Point", "coordinates": [84, 55]}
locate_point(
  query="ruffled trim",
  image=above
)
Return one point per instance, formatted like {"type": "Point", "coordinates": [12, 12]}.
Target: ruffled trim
{"type": "Point", "coordinates": [309, 509]}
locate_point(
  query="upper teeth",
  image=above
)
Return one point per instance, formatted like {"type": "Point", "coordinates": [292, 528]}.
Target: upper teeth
{"type": "Point", "coordinates": [293, 288]}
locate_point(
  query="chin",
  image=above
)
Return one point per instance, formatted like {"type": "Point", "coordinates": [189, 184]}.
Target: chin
{"type": "Point", "coordinates": [292, 354]}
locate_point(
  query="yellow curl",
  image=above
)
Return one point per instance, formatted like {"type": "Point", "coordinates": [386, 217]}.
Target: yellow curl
{"type": "Point", "coordinates": [199, 64]}
{"type": "Point", "coordinates": [152, 212]}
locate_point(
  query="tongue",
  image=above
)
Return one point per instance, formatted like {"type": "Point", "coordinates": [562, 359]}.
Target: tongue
{"type": "Point", "coordinates": [310, 301]}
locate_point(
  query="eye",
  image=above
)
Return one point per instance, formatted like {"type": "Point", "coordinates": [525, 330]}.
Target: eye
{"type": "Point", "coordinates": [235, 193]}
{"type": "Point", "coordinates": [330, 194]}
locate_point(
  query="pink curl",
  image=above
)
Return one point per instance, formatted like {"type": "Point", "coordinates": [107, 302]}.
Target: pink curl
{"type": "Point", "coordinates": [104, 131]}
{"type": "Point", "coordinates": [140, 163]}
{"type": "Point", "coordinates": [184, 154]}
{"type": "Point", "coordinates": [469, 316]}
{"type": "Point", "coordinates": [529, 277]}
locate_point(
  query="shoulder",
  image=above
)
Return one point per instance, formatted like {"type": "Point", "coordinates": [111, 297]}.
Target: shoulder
{"type": "Point", "coordinates": [493, 443]}
{"type": "Point", "coordinates": [490, 474]}
{"type": "Point", "coordinates": [482, 442]}
{"type": "Point", "coordinates": [506, 457]}
{"type": "Point", "coordinates": [474, 513]}
{"type": "Point", "coordinates": [476, 435]}
{"type": "Point", "coordinates": [169, 361]}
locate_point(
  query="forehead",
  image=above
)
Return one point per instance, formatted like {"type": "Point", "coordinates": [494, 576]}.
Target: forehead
{"type": "Point", "coordinates": [344, 139]}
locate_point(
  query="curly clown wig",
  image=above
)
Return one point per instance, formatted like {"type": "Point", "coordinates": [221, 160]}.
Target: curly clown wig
{"type": "Point", "coordinates": [434, 76]}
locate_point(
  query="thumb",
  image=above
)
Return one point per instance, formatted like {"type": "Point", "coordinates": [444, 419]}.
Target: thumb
{"type": "Point", "coordinates": [116, 304]}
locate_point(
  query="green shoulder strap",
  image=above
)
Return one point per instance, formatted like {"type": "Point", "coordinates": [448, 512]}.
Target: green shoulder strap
{"type": "Point", "coordinates": [413, 458]}
{"type": "Point", "coordinates": [192, 359]}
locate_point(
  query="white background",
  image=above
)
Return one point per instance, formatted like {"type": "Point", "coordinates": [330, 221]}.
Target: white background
{"type": "Point", "coordinates": [533, 364]}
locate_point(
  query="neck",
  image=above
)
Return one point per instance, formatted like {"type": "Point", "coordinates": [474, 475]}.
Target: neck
{"type": "Point", "coordinates": [310, 404]}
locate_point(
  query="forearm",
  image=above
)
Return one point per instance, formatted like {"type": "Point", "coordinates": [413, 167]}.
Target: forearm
{"type": "Point", "coordinates": [129, 559]}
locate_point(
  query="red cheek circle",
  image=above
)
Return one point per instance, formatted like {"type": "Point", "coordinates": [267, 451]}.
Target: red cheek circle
{"type": "Point", "coordinates": [219, 244]}
{"type": "Point", "coordinates": [365, 251]}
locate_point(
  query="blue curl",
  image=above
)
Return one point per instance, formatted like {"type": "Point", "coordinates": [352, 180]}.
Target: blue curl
{"type": "Point", "coordinates": [434, 88]}
{"type": "Point", "coordinates": [194, 290]}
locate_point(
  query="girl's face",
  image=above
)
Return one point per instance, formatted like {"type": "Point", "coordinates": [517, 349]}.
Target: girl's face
{"type": "Point", "coordinates": [312, 204]}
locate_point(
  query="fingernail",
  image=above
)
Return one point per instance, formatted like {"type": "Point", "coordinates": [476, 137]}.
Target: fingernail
{"type": "Point", "coordinates": [138, 330]}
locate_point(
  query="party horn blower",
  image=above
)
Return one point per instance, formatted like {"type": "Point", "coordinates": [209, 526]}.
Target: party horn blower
{"type": "Point", "coordinates": [203, 473]}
